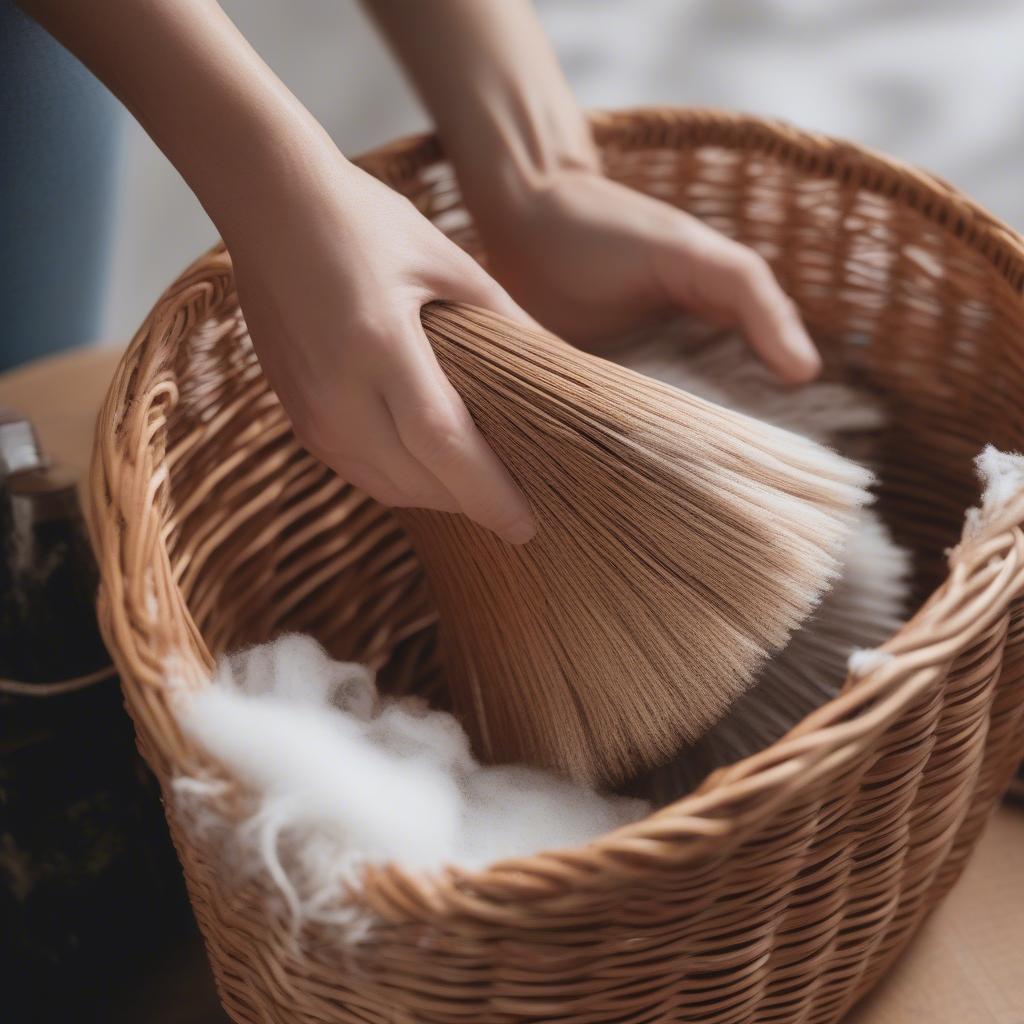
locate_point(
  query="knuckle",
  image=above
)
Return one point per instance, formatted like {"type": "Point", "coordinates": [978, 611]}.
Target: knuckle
{"type": "Point", "coordinates": [435, 437]}
{"type": "Point", "coordinates": [440, 446]}
{"type": "Point", "coordinates": [377, 487]}
{"type": "Point", "coordinates": [756, 270]}
{"type": "Point", "coordinates": [368, 332]}
{"type": "Point", "coordinates": [326, 434]}
{"type": "Point", "coordinates": [789, 308]}
{"type": "Point", "coordinates": [386, 497]}
{"type": "Point", "coordinates": [746, 264]}
{"type": "Point", "coordinates": [409, 499]}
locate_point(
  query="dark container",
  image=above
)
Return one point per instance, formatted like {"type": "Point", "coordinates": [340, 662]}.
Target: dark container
{"type": "Point", "coordinates": [91, 893]}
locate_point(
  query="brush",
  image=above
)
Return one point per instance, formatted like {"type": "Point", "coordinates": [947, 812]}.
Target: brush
{"type": "Point", "coordinates": [863, 609]}
{"type": "Point", "coordinates": [680, 544]}
{"type": "Point", "coordinates": [865, 606]}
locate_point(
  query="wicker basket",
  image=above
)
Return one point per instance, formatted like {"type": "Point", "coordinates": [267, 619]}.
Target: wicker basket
{"type": "Point", "coordinates": [784, 888]}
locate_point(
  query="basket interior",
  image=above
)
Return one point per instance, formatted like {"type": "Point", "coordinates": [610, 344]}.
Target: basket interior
{"type": "Point", "coordinates": [263, 539]}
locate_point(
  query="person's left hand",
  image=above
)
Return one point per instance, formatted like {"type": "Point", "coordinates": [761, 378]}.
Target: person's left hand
{"type": "Point", "coordinates": [590, 258]}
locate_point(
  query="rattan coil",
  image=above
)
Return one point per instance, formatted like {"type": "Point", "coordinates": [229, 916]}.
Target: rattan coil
{"type": "Point", "coordinates": [783, 888]}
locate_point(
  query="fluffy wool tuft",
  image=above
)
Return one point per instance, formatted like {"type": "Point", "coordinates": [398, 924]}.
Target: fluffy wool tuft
{"type": "Point", "coordinates": [865, 660]}
{"type": "Point", "coordinates": [341, 777]}
{"type": "Point", "coordinates": [1002, 478]}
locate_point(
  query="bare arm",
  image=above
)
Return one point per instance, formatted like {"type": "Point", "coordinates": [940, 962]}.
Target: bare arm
{"type": "Point", "coordinates": [586, 256]}
{"type": "Point", "coordinates": [491, 81]}
{"type": "Point", "coordinates": [196, 87]}
{"type": "Point", "coordinates": [332, 268]}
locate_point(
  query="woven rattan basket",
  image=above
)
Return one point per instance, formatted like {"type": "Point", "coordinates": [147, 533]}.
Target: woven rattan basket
{"type": "Point", "coordinates": [782, 889]}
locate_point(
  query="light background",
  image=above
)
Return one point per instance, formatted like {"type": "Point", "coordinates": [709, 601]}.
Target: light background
{"type": "Point", "coordinates": [936, 82]}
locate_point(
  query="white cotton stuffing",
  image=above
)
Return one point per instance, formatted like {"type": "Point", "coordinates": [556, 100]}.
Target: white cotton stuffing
{"type": "Point", "coordinates": [1002, 475]}
{"type": "Point", "coordinates": [865, 660]}
{"type": "Point", "coordinates": [342, 777]}
{"type": "Point", "coordinates": [1002, 479]}
{"type": "Point", "coordinates": [719, 367]}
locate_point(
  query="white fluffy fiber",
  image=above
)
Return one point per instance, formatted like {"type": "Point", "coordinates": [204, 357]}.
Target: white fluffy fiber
{"type": "Point", "coordinates": [719, 367]}
{"type": "Point", "coordinates": [1002, 479]}
{"type": "Point", "coordinates": [343, 777]}
{"type": "Point", "coordinates": [864, 660]}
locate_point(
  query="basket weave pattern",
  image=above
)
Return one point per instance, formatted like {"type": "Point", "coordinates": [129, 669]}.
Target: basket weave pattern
{"type": "Point", "coordinates": [786, 885]}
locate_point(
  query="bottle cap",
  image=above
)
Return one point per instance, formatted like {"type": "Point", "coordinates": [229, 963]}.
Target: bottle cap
{"type": "Point", "coordinates": [19, 445]}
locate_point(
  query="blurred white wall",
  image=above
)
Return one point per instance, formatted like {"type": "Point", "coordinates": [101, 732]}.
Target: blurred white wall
{"type": "Point", "coordinates": [937, 82]}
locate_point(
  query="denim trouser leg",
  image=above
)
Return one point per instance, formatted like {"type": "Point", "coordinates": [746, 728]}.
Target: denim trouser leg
{"type": "Point", "coordinates": [58, 153]}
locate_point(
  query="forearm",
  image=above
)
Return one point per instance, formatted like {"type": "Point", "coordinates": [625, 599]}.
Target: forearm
{"type": "Point", "coordinates": [199, 90]}
{"type": "Point", "coordinates": [491, 81]}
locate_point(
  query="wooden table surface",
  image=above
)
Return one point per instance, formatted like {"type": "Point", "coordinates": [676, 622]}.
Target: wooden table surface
{"type": "Point", "coordinates": [966, 966]}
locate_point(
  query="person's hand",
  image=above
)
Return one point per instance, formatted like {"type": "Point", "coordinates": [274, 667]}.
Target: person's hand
{"type": "Point", "coordinates": [587, 257]}
{"type": "Point", "coordinates": [590, 258]}
{"type": "Point", "coordinates": [332, 269]}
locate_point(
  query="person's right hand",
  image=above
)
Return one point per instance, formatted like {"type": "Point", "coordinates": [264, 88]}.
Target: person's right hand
{"type": "Point", "coordinates": [332, 269]}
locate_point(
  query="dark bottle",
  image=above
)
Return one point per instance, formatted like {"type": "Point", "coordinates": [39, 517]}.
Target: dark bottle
{"type": "Point", "coordinates": [90, 889]}
{"type": "Point", "coordinates": [19, 450]}
{"type": "Point", "coordinates": [51, 622]}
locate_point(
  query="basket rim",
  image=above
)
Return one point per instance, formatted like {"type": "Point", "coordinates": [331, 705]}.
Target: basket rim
{"type": "Point", "coordinates": [813, 153]}
{"type": "Point", "coordinates": [986, 573]}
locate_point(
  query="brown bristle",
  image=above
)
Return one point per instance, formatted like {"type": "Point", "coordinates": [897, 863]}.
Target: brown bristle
{"type": "Point", "coordinates": [679, 544]}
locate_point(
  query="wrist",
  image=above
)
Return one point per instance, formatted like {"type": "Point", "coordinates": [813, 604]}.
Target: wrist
{"type": "Point", "coordinates": [504, 111]}
{"type": "Point", "coordinates": [271, 157]}
{"type": "Point", "coordinates": [517, 130]}
{"type": "Point", "coordinates": [525, 136]}
{"type": "Point", "coordinates": [519, 148]}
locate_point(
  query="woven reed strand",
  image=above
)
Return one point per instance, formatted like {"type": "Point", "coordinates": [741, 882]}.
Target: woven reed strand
{"type": "Point", "coordinates": [783, 888]}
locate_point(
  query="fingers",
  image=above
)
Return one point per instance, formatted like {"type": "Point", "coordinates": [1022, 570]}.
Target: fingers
{"type": "Point", "coordinates": [355, 435]}
{"type": "Point", "coordinates": [437, 430]}
{"type": "Point", "coordinates": [386, 419]}
{"type": "Point", "coordinates": [735, 282]}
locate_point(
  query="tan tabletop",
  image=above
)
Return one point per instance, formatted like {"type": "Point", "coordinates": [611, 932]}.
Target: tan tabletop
{"type": "Point", "coordinates": [966, 966]}
{"type": "Point", "coordinates": [62, 395]}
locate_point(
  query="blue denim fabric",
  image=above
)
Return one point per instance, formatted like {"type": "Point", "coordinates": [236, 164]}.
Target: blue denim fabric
{"type": "Point", "coordinates": [59, 131]}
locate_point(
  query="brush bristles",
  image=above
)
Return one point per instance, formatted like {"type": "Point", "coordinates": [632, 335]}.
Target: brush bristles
{"type": "Point", "coordinates": [680, 544]}
{"type": "Point", "coordinates": [864, 608]}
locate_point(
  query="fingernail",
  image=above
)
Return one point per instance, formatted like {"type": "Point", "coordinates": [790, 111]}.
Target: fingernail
{"type": "Point", "coordinates": [805, 353]}
{"type": "Point", "coordinates": [521, 531]}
